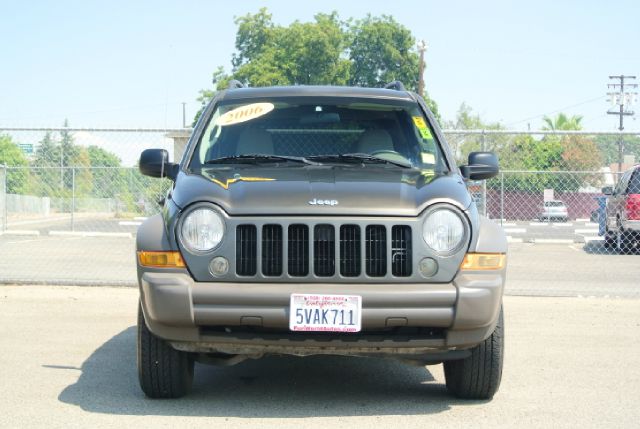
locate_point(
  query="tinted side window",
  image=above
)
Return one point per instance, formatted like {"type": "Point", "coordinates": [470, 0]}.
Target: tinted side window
{"type": "Point", "coordinates": [622, 184]}
{"type": "Point", "coordinates": [634, 183]}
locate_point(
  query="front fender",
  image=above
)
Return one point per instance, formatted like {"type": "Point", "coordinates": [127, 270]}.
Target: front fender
{"type": "Point", "coordinates": [152, 235]}
{"type": "Point", "coordinates": [491, 238]}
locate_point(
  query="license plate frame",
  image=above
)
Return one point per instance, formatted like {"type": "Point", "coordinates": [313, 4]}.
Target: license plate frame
{"type": "Point", "coordinates": [325, 313]}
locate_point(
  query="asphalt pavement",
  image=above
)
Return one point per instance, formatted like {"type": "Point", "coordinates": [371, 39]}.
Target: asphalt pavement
{"type": "Point", "coordinates": [68, 360]}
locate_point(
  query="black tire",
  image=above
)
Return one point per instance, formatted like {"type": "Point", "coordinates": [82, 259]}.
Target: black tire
{"type": "Point", "coordinates": [624, 243]}
{"type": "Point", "coordinates": [479, 375]}
{"type": "Point", "coordinates": [163, 371]}
{"type": "Point", "coordinates": [609, 239]}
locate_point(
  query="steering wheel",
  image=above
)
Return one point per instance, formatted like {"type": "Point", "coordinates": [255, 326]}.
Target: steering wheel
{"type": "Point", "coordinates": [391, 155]}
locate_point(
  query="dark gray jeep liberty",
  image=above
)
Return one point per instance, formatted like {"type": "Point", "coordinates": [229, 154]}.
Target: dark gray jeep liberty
{"type": "Point", "coordinates": [319, 221]}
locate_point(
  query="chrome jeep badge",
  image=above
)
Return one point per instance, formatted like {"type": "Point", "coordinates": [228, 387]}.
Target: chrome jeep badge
{"type": "Point", "coordinates": [317, 202]}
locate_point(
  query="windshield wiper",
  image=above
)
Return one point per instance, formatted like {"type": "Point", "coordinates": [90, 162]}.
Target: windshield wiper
{"type": "Point", "coordinates": [360, 157]}
{"type": "Point", "coordinates": [256, 158]}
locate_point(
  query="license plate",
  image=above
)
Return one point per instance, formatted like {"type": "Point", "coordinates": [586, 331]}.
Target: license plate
{"type": "Point", "coordinates": [325, 313]}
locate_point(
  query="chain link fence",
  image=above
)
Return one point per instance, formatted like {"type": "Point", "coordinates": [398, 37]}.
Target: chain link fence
{"type": "Point", "coordinates": [71, 199]}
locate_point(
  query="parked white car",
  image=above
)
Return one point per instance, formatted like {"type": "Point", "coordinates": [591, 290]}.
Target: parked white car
{"type": "Point", "coordinates": [554, 210]}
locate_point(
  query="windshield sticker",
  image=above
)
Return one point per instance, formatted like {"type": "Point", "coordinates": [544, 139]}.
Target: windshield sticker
{"type": "Point", "coordinates": [421, 125]}
{"type": "Point", "coordinates": [244, 113]}
{"type": "Point", "coordinates": [428, 158]}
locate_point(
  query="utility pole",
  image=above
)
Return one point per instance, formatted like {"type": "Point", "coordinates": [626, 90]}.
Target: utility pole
{"type": "Point", "coordinates": [422, 48]}
{"type": "Point", "coordinates": [623, 100]}
{"type": "Point", "coordinates": [184, 115]}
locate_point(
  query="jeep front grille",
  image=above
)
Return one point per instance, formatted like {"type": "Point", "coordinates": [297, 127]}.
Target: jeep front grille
{"type": "Point", "coordinates": [300, 250]}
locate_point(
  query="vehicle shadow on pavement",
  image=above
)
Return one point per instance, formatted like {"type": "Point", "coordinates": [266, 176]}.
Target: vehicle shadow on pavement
{"type": "Point", "coordinates": [597, 248]}
{"type": "Point", "coordinates": [278, 387]}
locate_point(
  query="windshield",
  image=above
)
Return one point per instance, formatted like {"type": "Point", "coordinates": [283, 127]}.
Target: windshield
{"type": "Point", "coordinates": [322, 130]}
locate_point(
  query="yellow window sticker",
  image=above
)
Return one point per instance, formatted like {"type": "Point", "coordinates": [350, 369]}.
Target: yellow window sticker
{"type": "Point", "coordinates": [422, 127]}
{"type": "Point", "coordinates": [244, 113]}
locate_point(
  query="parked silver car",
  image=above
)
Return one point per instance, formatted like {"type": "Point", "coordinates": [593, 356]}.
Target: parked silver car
{"type": "Point", "coordinates": [554, 210]}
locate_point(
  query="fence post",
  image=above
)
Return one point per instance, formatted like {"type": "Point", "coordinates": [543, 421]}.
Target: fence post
{"type": "Point", "coordinates": [73, 195]}
{"type": "Point", "coordinates": [484, 182]}
{"type": "Point", "coordinates": [501, 197]}
{"type": "Point", "coordinates": [3, 197]}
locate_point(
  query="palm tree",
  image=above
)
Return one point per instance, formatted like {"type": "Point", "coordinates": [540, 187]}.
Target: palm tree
{"type": "Point", "coordinates": [562, 122]}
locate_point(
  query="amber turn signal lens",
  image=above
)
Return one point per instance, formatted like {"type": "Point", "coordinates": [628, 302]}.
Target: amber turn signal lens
{"type": "Point", "coordinates": [161, 259]}
{"type": "Point", "coordinates": [483, 261]}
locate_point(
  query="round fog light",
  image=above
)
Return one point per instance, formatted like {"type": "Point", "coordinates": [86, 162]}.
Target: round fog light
{"type": "Point", "coordinates": [428, 267]}
{"type": "Point", "coordinates": [219, 266]}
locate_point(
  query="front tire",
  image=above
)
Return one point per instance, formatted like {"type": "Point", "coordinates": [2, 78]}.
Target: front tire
{"type": "Point", "coordinates": [478, 376]}
{"type": "Point", "coordinates": [163, 371]}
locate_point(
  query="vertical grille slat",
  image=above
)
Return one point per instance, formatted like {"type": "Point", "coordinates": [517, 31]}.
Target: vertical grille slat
{"type": "Point", "coordinates": [350, 250]}
{"type": "Point", "coordinates": [376, 245]}
{"type": "Point", "coordinates": [246, 250]}
{"type": "Point", "coordinates": [324, 251]}
{"type": "Point", "coordinates": [298, 254]}
{"type": "Point", "coordinates": [401, 250]}
{"type": "Point", "coordinates": [272, 250]}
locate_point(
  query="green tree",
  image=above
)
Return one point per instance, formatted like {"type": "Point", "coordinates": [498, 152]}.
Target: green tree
{"type": "Point", "coordinates": [109, 178]}
{"type": "Point", "coordinates": [53, 164]}
{"type": "Point", "coordinates": [47, 168]}
{"type": "Point", "coordinates": [327, 51]}
{"type": "Point", "coordinates": [302, 54]}
{"type": "Point", "coordinates": [579, 153]}
{"type": "Point", "coordinates": [462, 145]}
{"type": "Point", "coordinates": [608, 147]}
{"type": "Point", "coordinates": [12, 156]}
{"type": "Point", "coordinates": [562, 122]}
{"type": "Point", "coordinates": [381, 50]}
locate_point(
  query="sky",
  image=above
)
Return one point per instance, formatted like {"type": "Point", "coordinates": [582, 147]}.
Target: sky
{"type": "Point", "coordinates": [133, 63]}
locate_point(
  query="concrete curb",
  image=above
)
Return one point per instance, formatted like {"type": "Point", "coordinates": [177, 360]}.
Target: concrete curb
{"type": "Point", "coordinates": [129, 223]}
{"type": "Point", "coordinates": [581, 240]}
{"type": "Point", "coordinates": [91, 234]}
{"type": "Point", "coordinates": [88, 283]}
{"type": "Point", "coordinates": [29, 232]}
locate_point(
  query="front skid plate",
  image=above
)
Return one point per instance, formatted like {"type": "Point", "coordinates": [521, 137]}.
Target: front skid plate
{"type": "Point", "coordinates": [435, 353]}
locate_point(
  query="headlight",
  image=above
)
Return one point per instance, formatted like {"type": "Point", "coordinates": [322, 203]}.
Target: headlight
{"type": "Point", "coordinates": [202, 229]}
{"type": "Point", "coordinates": [443, 230]}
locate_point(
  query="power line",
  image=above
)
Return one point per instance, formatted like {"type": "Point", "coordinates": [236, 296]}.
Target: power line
{"type": "Point", "coordinates": [558, 110]}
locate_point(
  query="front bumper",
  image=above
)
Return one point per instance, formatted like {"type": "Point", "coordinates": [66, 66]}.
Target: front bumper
{"type": "Point", "coordinates": [253, 318]}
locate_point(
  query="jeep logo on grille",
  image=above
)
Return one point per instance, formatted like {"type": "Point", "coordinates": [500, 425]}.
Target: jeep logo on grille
{"type": "Point", "coordinates": [317, 202]}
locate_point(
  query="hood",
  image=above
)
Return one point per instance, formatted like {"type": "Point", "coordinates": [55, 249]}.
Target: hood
{"type": "Point", "coordinates": [320, 190]}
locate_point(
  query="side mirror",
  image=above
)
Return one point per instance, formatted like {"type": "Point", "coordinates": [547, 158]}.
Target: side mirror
{"type": "Point", "coordinates": [607, 190]}
{"type": "Point", "coordinates": [155, 163]}
{"type": "Point", "coordinates": [481, 166]}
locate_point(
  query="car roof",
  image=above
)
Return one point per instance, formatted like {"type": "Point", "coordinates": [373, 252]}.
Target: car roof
{"type": "Point", "coordinates": [316, 91]}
